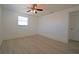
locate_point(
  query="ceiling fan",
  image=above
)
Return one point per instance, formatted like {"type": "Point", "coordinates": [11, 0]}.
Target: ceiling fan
{"type": "Point", "coordinates": [34, 9]}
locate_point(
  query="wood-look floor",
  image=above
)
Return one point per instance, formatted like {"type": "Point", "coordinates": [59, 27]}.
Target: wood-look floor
{"type": "Point", "coordinates": [34, 45]}
{"type": "Point", "coordinates": [73, 46]}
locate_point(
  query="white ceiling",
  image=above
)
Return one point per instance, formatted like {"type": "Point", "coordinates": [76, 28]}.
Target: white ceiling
{"type": "Point", "coordinates": [48, 8]}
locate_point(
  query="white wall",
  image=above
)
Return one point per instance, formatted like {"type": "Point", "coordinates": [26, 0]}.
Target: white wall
{"type": "Point", "coordinates": [1, 38]}
{"type": "Point", "coordinates": [12, 30]}
{"type": "Point", "coordinates": [55, 25]}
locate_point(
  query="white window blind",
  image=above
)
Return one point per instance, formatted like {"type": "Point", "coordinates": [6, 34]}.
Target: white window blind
{"type": "Point", "coordinates": [22, 20]}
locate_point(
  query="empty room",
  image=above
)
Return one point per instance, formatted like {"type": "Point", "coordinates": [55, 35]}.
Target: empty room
{"type": "Point", "coordinates": [39, 28]}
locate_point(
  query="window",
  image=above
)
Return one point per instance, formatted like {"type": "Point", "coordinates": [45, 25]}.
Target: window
{"type": "Point", "coordinates": [22, 20]}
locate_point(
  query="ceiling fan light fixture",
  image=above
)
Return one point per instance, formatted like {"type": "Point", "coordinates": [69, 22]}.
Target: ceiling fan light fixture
{"type": "Point", "coordinates": [34, 9]}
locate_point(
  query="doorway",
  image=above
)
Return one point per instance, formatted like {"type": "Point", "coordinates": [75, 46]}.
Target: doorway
{"type": "Point", "coordinates": [74, 26]}
{"type": "Point", "coordinates": [74, 32]}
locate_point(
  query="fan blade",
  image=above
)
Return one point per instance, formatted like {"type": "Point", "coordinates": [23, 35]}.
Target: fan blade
{"type": "Point", "coordinates": [39, 9]}
{"type": "Point", "coordinates": [28, 10]}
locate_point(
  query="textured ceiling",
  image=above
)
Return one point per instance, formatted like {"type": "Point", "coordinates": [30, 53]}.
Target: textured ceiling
{"type": "Point", "coordinates": [48, 8]}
